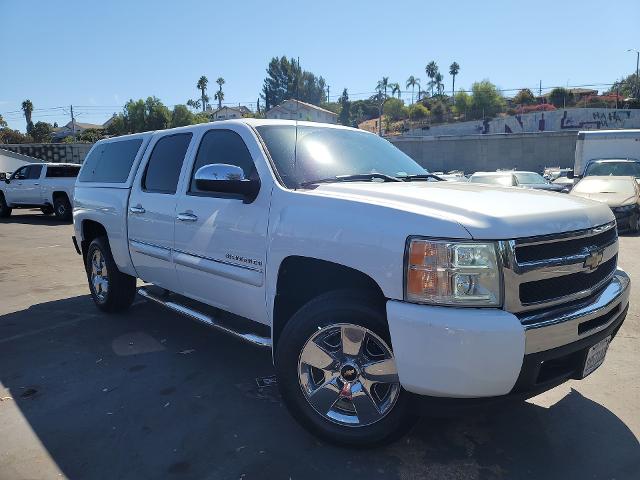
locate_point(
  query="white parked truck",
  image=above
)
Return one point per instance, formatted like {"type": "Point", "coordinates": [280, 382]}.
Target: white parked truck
{"type": "Point", "coordinates": [47, 186]}
{"type": "Point", "coordinates": [607, 152]}
{"type": "Point", "coordinates": [378, 288]}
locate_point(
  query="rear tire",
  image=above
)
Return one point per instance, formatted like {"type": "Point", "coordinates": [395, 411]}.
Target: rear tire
{"type": "Point", "coordinates": [333, 399]}
{"type": "Point", "coordinates": [62, 208]}
{"type": "Point", "coordinates": [112, 291]}
{"type": "Point", "coordinates": [5, 210]}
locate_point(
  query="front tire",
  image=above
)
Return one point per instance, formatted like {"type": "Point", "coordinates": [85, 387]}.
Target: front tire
{"type": "Point", "coordinates": [112, 291]}
{"type": "Point", "coordinates": [336, 371]}
{"type": "Point", "coordinates": [47, 210]}
{"type": "Point", "coordinates": [62, 208]}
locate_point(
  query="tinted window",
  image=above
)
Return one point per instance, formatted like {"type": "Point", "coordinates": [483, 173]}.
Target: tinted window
{"type": "Point", "coordinates": [504, 180]}
{"type": "Point", "coordinates": [223, 146]}
{"type": "Point", "coordinates": [34, 172]}
{"type": "Point", "coordinates": [529, 178]}
{"type": "Point", "coordinates": [163, 169]}
{"type": "Point", "coordinates": [20, 174]}
{"type": "Point", "coordinates": [65, 171]}
{"type": "Point", "coordinates": [110, 162]}
{"type": "Point", "coordinates": [617, 169]}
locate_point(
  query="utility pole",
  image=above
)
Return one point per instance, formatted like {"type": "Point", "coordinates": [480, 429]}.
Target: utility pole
{"type": "Point", "coordinates": [328, 97]}
{"type": "Point", "coordinates": [73, 123]}
{"type": "Point", "coordinates": [540, 89]}
{"type": "Point", "coordinates": [637, 83]}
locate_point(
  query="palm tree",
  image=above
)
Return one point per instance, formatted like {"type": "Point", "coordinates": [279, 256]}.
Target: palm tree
{"type": "Point", "coordinates": [383, 85]}
{"type": "Point", "coordinates": [439, 84]}
{"type": "Point", "coordinates": [202, 86]}
{"type": "Point", "coordinates": [412, 82]}
{"type": "Point", "coordinates": [395, 88]}
{"type": "Point", "coordinates": [454, 68]}
{"type": "Point", "coordinates": [431, 70]}
{"type": "Point", "coordinates": [27, 108]}
{"type": "Point", "coordinates": [220, 95]}
{"type": "Point", "coordinates": [195, 104]}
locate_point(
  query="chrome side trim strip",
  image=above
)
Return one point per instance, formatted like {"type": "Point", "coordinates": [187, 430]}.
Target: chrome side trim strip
{"type": "Point", "coordinates": [550, 329]}
{"type": "Point", "coordinates": [246, 267]}
{"type": "Point", "coordinates": [564, 236]}
{"type": "Point", "coordinates": [234, 272]}
{"type": "Point", "coordinates": [207, 320]}
{"type": "Point", "coordinates": [151, 250]}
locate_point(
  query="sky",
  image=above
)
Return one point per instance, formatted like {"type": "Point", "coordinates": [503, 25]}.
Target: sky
{"type": "Point", "coordinates": [97, 55]}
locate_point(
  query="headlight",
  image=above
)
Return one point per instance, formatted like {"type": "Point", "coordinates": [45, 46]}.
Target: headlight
{"type": "Point", "coordinates": [452, 273]}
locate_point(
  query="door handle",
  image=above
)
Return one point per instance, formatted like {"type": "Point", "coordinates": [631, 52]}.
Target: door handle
{"type": "Point", "coordinates": [138, 209]}
{"type": "Point", "coordinates": [36, 184]}
{"type": "Point", "coordinates": [187, 217]}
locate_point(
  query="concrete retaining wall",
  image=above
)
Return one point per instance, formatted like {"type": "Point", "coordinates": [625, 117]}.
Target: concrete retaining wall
{"type": "Point", "coordinates": [52, 152]}
{"type": "Point", "coordinates": [471, 153]}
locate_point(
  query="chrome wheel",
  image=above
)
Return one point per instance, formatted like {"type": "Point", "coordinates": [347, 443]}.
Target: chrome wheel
{"type": "Point", "coordinates": [99, 277]}
{"type": "Point", "coordinates": [348, 375]}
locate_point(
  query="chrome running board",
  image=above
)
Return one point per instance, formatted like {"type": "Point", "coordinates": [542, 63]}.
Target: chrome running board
{"type": "Point", "coordinates": [165, 301]}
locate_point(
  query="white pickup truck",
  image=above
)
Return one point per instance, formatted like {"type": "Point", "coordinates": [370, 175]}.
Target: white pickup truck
{"type": "Point", "coordinates": [379, 289]}
{"type": "Point", "coordinates": [48, 186]}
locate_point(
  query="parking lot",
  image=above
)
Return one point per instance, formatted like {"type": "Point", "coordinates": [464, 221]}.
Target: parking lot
{"type": "Point", "coordinates": [150, 394]}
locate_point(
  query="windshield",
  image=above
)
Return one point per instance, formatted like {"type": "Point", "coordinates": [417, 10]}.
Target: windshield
{"type": "Point", "coordinates": [324, 152]}
{"type": "Point", "coordinates": [504, 180]}
{"type": "Point", "coordinates": [529, 178]}
{"type": "Point", "coordinates": [605, 185]}
{"type": "Point", "coordinates": [616, 169]}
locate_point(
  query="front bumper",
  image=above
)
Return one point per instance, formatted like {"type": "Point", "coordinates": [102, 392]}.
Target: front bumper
{"type": "Point", "coordinates": [473, 353]}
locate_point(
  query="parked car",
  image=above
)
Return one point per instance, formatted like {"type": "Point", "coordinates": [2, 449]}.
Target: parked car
{"type": "Point", "coordinates": [621, 194]}
{"type": "Point", "coordinates": [515, 179]}
{"type": "Point", "coordinates": [378, 289]}
{"type": "Point", "coordinates": [48, 186]}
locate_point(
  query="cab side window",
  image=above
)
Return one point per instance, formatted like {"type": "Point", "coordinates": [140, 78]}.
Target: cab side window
{"type": "Point", "coordinates": [20, 174]}
{"type": "Point", "coordinates": [163, 169]}
{"type": "Point", "coordinates": [34, 172]}
{"type": "Point", "coordinates": [226, 147]}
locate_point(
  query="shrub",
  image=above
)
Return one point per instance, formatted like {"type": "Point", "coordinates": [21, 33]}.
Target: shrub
{"type": "Point", "coordinates": [417, 111]}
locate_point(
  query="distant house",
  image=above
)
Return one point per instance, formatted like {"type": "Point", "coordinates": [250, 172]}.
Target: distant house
{"type": "Point", "coordinates": [228, 113]}
{"type": "Point", "coordinates": [68, 129]}
{"type": "Point", "coordinates": [297, 110]}
{"type": "Point", "coordinates": [578, 93]}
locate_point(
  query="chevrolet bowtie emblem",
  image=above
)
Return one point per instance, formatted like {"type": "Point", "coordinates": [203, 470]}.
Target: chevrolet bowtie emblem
{"type": "Point", "coordinates": [593, 260]}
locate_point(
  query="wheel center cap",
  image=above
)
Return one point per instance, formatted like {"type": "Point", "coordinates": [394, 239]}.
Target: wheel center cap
{"type": "Point", "coordinates": [349, 372]}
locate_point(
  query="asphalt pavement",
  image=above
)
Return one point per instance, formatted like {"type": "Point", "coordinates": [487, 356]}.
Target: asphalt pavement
{"type": "Point", "coordinates": [150, 394]}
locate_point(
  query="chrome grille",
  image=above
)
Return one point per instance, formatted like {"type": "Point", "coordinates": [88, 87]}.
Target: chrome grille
{"type": "Point", "coordinates": [541, 272]}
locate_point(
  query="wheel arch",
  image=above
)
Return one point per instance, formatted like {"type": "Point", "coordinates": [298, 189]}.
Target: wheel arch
{"type": "Point", "coordinates": [301, 279]}
{"type": "Point", "coordinates": [90, 231]}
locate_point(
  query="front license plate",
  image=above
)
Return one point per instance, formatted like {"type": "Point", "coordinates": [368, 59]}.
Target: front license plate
{"type": "Point", "coordinates": [595, 356]}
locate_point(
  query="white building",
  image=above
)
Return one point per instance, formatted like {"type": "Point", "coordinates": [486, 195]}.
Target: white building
{"type": "Point", "coordinates": [227, 113]}
{"type": "Point", "coordinates": [11, 161]}
{"type": "Point", "coordinates": [297, 110]}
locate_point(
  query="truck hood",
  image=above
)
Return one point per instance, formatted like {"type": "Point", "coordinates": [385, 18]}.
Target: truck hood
{"type": "Point", "coordinates": [486, 212]}
{"type": "Point", "coordinates": [611, 199]}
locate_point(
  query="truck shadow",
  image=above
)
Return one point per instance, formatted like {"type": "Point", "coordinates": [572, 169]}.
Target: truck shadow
{"type": "Point", "coordinates": [32, 217]}
{"type": "Point", "coordinates": [149, 394]}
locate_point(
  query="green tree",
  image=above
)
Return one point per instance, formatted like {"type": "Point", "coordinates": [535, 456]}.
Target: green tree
{"type": "Point", "coordinates": [463, 102]}
{"type": "Point", "coordinates": [344, 117]}
{"type": "Point", "coordinates": [202, 86]}
{"type": "Point", "coordinates": [560, 97]}
{"type": "Point", "coordinates": [91, 135]}
{"type": "Point", "coordinates": [27, 109]}
{"type": "Point", "coordinates": [524, 97]}
{"type": "Point", "coordinates": [431, 70]}
{"type": "Point", "coordinates": [417, 111]}
{"type": "Point", "coordinates": [9, 136]}
{"type": "Point", "coordinates": [181, 116]}
{"type": "Point", "coordinates": [487, 100]}
{"type": "Point", "coordinates": [454, 69]}
{"type": "Point", "coordinates": [68, 139]}
{"type": "Point", "coordinates": [195, 104]}
{"type": "Point", "coordinates": [41, 132]}
{"type": "Point", "coordinates": [382, 87]}
{"type": "Point", "coordinates": [412, 82]}
{"type": "Point", "coordinates": [286, 80]}
{"type": "Point", "coordinates": [3, 123]}
{"type": "Point", "coordinates": [117, 126]}
{"type": "Point", "coordinates": [201, 118]}
{"type": "Point", "coordinates": [219, 94]}
{"type": "Point", "coordinates": [135, 116]}
{"type": "Point", "coordinates": [395, 110]}
{"type": "Point", "coordinates": [439, 85]}
{"type": "Point", "coordinates": [627, 87]}
{"type": "Point", "coordinates": [395, 89]}
{"type": "Point", "coordinates": [158, 116]}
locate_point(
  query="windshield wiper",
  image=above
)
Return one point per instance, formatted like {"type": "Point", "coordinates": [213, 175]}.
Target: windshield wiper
{"type": "Point", "coordinates": [352, 178]}
{"type": "Point", "coordinates": [421, 176]}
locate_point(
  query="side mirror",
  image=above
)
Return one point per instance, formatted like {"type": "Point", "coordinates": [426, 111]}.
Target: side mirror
{"type": "Point", "coordinates": [223, 178]}
{"type": "Point", "coordinates": [570, 175]}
